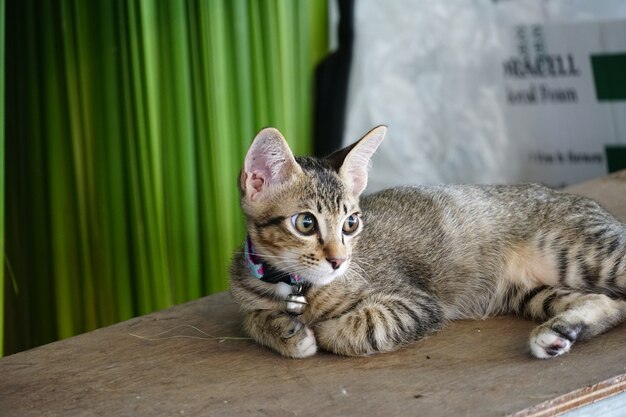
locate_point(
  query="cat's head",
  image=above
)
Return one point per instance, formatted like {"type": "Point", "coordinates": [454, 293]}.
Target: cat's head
{"type": "Point", "coordinates": [302, 213]}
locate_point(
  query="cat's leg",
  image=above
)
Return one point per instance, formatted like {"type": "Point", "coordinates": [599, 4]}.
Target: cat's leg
{"type": "Point", "coordinates": [280, 331]}
{"type": "Point", "coordinates": [570, 316]}
{"type": "Point", "coordinates": [379, 322]}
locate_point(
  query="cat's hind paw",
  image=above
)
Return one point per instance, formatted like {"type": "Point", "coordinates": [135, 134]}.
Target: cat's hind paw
{"type": "Point", "coordinates": [545, 343]}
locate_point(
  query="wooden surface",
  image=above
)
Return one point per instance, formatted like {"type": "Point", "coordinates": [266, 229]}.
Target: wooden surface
{"type": "Point", "coordinates": [471, 368]}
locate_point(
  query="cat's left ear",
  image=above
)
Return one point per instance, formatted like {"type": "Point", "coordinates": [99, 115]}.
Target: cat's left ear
{"type": "Point", "coordinates": [352, 162]}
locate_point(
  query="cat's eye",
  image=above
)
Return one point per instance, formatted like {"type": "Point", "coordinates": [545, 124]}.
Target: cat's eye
{"type": "Point", "coordinates": [304, 223]}
{"type": "Point", "coordinates": [351, 224]}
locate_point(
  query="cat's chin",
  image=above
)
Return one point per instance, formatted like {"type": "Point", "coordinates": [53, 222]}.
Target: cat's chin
{"type": "Point", "coordinates": [325, 279]}
{"type": "Point", "coordinates": [321, 281]}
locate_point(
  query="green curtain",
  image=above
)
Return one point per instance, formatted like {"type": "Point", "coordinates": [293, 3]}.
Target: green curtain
{"type": "Point", "coordinates": [127, 124]}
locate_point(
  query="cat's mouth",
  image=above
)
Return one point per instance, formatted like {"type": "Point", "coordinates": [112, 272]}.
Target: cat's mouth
{"type": "Point", "coordinates": [325, 275]}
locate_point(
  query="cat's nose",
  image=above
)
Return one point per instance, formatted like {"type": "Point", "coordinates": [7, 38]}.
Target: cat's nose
{"type": "Point", "coordinates": [336, 262]}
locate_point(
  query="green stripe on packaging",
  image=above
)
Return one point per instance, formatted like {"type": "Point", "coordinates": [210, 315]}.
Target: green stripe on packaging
{"type": "Point", "coordinates": [615, 157]}
{"type": "Point", "coordinates": [609, 76]}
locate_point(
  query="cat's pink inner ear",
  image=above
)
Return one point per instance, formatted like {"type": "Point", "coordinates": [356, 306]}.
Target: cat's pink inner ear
{"type": "Point", "coordinates": [256, 182]}
{"type": "Point", "coordinates": [355, 165]}
{"type": "Point", "coordinates": [269, 163]}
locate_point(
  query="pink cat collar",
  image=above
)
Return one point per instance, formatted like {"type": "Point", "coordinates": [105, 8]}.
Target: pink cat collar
{"type": "Point", "coordinates": [265, 272]}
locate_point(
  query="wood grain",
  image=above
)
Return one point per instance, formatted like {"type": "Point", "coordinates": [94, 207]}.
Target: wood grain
{"type": "Point", "coordinates": [471, 368]}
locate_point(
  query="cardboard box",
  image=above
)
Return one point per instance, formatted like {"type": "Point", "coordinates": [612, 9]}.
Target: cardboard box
{"type": "Point", "coordinates": [564, 99]}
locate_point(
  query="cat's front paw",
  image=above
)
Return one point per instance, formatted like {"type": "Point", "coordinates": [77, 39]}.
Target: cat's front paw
{"type": "Point", "coordinates": [338, 337]}
{"type": "Point", "coordinates": [307, 346]}
{"type": "Point", "coordinates": [546, 343]}
{"type": "Point", "coordinates": [300, 340]}
{"type": "Point", "coordinates": [282, 332]}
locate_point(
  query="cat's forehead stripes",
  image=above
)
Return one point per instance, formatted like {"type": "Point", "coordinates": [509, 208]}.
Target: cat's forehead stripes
{"type": "Point", "coordinates": [324, 190]}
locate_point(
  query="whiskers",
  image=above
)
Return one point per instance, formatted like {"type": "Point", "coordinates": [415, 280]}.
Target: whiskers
{"type": "Point", "coordinates": [280, 262]}
{"type": "Point", "coordinates": [282, 266]}
{"type": "Point", "coordinates": [165, 335]}
{"type": "Point", "coordinates": [287, 264]}
{"type": "Point", "coordinates": [355, 273]}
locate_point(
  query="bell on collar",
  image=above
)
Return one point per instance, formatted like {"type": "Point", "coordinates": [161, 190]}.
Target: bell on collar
{"type": "Point", "coordinates": [295, 304]}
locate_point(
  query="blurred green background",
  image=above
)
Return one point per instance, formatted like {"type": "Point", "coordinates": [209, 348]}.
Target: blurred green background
{"type": "Point", "coordinates": [126, 125]}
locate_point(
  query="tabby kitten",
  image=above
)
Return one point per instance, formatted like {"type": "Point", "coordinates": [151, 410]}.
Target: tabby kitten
{"type": "Point", "coordinates": [384, 270]}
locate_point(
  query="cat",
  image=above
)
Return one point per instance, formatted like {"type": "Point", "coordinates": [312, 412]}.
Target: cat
{"type": "Point", "coordinates": [324, 268]}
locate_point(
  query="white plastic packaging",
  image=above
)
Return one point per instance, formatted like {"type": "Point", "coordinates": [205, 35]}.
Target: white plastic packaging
{"type": "Point", "coordinates": [433, 72]}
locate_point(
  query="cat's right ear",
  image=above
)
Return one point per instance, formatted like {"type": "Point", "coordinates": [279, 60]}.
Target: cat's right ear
{"type": "Point", "coordinates": [268, 164]}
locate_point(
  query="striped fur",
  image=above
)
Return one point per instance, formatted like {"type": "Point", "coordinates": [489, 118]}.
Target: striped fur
{"type": "Point", "coordinates": [421, 256]}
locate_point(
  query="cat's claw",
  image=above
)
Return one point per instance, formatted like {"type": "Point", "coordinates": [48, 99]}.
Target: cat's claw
{"type": "Point", "coordinates": [546, 343]}
{"type": "Point", "coordinates": [307, 346]}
